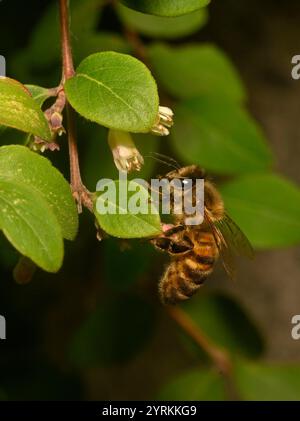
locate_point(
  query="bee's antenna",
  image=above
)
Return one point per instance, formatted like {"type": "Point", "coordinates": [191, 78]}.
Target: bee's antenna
{"type": "Point", "coordinates": [162, 161]}
{"type": "Point", "coordinates": [171, 162]}
{"type": "Point", "coordinates": [168, 159]}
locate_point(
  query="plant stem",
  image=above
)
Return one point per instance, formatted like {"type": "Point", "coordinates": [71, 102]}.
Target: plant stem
{"type": "Point", "coordinates": [80, 192]}
{"type": "Point", "coordinates": [68, 67]}
{"type": "Point", "coordinates": [219, 357]}
{"type": "Point", "coordinates": [136, 44]}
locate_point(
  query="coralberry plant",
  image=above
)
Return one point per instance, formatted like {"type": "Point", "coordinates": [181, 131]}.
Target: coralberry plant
{"type": "Point", "coordinates": [112, 89]}
{"type": "Point", "coordinates": [116, 89]}
{"type": "Point", "coordinates": [121, 92]}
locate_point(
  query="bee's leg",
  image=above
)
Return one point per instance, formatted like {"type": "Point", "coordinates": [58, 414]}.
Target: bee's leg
{"type": "Point", "coordinates": [169, 229]}
{"type": "Point", "coordinates": [169, 242]}
{"type": "Point", "coordinates": [172, 247]}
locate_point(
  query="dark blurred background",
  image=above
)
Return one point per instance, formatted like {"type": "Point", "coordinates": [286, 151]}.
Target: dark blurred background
{"type": "Point", "coordinates": [42, 317]}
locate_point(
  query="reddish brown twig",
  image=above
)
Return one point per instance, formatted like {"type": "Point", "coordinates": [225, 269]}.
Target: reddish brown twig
{"type": "Point", "coordinates": [80, 192]}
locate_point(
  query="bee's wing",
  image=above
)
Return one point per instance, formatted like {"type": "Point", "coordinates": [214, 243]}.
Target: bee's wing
{"type": "Point", "coordinates": [235, 237]}
{"type": "Point", "coordinates": [230, 241]}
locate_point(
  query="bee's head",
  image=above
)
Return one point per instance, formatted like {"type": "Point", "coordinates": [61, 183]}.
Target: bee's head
{"type": "Point", "coordinates": [190, 172]}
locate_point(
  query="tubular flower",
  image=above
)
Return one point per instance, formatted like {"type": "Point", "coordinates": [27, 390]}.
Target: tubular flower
{"type": "Point", "coordinates": [126, 156]}
{"type": "Point", "coordinates": [164, 122]}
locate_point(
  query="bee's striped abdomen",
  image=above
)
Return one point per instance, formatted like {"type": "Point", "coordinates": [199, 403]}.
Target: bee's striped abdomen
{"type": "Point", "coordinates": [186, 274]}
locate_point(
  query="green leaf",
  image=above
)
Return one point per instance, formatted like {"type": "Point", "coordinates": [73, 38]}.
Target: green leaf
{"type": "Point", "coordinates": [220, 136]}
{"type": "Point", "coordinates": [127, 224]}
{"type": "Point", "coordinates": [162, 27]}
{"type": "Point", "coordinates": [19, 110]}
{"type": "Point", "coordinates": [30, 225]}
{"type": "Point", "coordinates": [166, 7]}
{"type": "Point", "coordinates": [195, 385]}
{"type": "Point", "coordinates": [196, 69]}
{"type": "Point", "coordinates": [267, 382]}
{"type": "Point", "coordinates": [114, 333]}
{"type": "Point", "coordinates": [226, 323]}
{"type": "Point", "coordinates": [21, 165]}
{"type": "Point", "coordinates": [115, 90]}
{"type": "Point", "coordinates": [39, 94]}
{"type": "Point", "coordinates": [266, 207]}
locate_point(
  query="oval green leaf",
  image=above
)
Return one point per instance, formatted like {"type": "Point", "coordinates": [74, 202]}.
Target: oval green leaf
{"type": "Point", "coordinates": [220, 136]}
{"type": "Point", "coordinates": [267, 382]}
{"type": "Point", "coordinates": [115, 90]}
{"type": "Point", "coordinates": [125, 223]}
{"type": "Point", "coordinates": [195, 385]}
{"type": "Point", "coordinates": [30, 225]}
{"type": "Point", "coordinates": [21, 165]}
{"type": "Point", "coordinates": [20, 111]}
{"type": "Point", "coordinates": [266, 207]}
{"type": "Point", "coordinates": [166, 7]}
{"type": "Point", "coordinates": [162, 27]}
{"type": "Point", "coordinates": [193, 70]}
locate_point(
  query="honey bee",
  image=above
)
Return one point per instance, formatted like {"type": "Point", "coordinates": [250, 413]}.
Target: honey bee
{"type": "Point", "coordinates": [194, 249]}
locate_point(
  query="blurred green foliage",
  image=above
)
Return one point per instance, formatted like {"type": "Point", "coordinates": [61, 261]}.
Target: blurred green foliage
{"type": "Point", "coordinates": [166, 7]}
{"type": "Point", "coordinates": [117, 330]}
{"type": "Point", "coordinates": [227, 323]}
{"type": "Point", "coordinates": [196, 69]}
{"type": "Point", "coordinates": [163, 27]}
{"type": "Point", "coordinates": [231, 142]}
{"type": "Point", "coordinates": [273, 382]}
{"type": "Point", "coordinates": [120, 322]}
{"type": "Point", "coordinates": [196, 385]}
{"type": "Point", "coordinates": [267, 207]}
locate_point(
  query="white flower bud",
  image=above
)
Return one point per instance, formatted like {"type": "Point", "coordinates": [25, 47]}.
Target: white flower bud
{"type": "Point", "coordinates": [126, 156]}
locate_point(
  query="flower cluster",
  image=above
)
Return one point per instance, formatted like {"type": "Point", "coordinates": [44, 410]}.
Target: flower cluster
{"type": "Point", "coordinates": [126, 156]}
